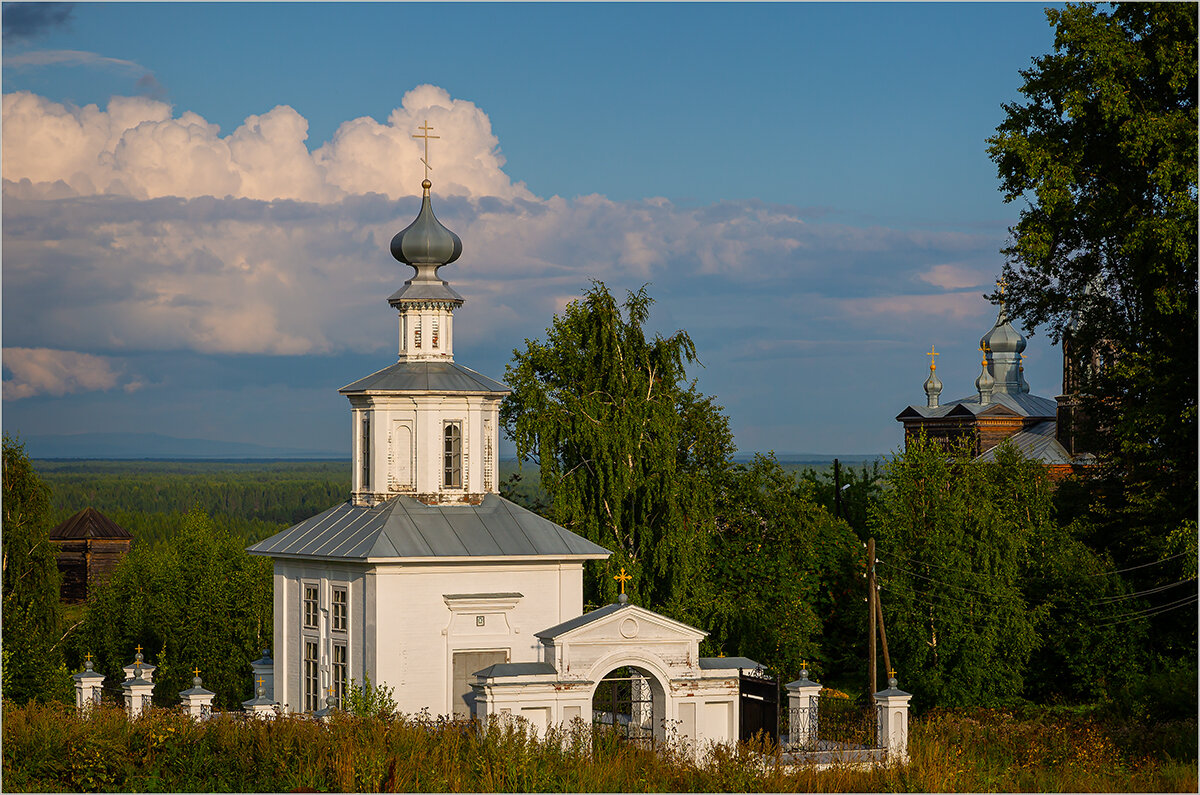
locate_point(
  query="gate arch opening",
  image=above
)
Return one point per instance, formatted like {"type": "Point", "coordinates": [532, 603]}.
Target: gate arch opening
{"type": "Point", "coordinates": [630, 702]}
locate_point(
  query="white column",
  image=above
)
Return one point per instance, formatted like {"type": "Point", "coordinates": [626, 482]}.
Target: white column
{"type": "Point", "coordinates": [196, 701]}
{"type": "Point", "coordinates": [137, 696]}
{"type": "Point", "coordinates": [88, 684]}
{"type": "Point", "coordinates": [893, 721]}
{"type": "Point", "coordinates": [264, 669]}
{"type": "Point", "coordinates": [802, 711]}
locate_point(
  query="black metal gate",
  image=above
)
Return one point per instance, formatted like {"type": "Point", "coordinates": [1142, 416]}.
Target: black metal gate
{"type": "Point", "coordinates": [758, 705]}
{"type": "Point", "coordinates": [624, 704]}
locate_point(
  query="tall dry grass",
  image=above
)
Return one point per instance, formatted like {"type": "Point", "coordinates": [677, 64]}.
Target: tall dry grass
{"type": "Point", "coordinates": [48, 748]}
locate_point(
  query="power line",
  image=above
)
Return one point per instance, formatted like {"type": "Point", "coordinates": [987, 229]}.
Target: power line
{"type": "Point", "coordinates": [982, 574]}
{"type": "Point", "coordinates": [1147, 592]}
{"type": "Point", "coordinates": [1153, 611]}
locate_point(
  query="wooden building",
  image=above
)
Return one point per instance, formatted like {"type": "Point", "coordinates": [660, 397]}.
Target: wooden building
{"type": "Point", "coordinates": [90, 545]}
{"type": "Point", "coordinates": [1002, 408]}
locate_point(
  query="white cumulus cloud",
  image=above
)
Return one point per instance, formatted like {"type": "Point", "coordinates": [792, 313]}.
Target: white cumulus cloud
{"type": "Point", "coordinates": [137, 147]}
{"type": "Point", "coordinates": [45, 371]}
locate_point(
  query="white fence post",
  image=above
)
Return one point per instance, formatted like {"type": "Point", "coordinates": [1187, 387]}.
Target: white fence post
{"type": "Point", "coordinates": [893, 721]}
{"type": "Point", "coordinates": [88, 684]}
{"type": "Point", "coordinates": [197, 702]}
{"type": "Point", "coordinates": [802, 711]}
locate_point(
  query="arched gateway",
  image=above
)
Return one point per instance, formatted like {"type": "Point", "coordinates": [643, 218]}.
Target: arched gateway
{"type": "Point", "coordinates": [625, 667]}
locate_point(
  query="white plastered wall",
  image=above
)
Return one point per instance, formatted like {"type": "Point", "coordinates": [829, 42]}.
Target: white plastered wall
{"type": "Point", "coordinates": [406, 443]}
{"type": "Point", "coordinates": [404, 630]}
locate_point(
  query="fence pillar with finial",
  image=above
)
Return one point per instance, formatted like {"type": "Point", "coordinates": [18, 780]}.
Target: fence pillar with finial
{"type": "Point", "coordinates": [138, 686]}
{"type": "Point", "coordinates": [330, 707]}
{"type": "Point", "coordinates": [143, 669]}
{"type": "Point", "coordinates": [88, 684]}
{"type": "Point", "coordinates": [264, 669]}
{"type": "Point", "coordinates": [196, 701]}
{"type": "Point", "coordinates": [893, 720]}
{"type": "Point", "coordinates": [802, 710]}
{"type": "Point", "coordinates": [260, 706]}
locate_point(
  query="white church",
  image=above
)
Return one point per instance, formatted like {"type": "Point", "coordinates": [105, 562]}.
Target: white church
{"type": "Point", "coordinates": [431, 583]}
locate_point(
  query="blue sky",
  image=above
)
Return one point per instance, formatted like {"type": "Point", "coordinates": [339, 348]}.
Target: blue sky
{"type": "Point", "coordinates": [804, 186]}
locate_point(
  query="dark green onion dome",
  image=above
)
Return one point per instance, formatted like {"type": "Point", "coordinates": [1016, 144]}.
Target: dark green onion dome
{"type": "Point", "coordinates": [425, 240]}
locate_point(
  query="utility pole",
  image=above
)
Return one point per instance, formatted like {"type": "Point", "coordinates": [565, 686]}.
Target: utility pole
{"type": "Point", "coordinates": [887, 658]}
{"type": "Point", "coordinates": [872, 680]}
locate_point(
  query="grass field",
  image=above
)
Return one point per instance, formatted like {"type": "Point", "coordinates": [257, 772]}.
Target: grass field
{"type": "Point", "coordinates": [47, 748]}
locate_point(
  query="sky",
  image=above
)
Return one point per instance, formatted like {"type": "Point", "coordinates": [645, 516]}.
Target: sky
{"type": "Point", "coordinates": [198, 200]}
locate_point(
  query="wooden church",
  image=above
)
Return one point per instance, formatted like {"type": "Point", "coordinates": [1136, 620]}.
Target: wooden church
{"type": "Point", "coordinates": [429, 582]}
{"type": "Point", "coordinates": [1003, 407]}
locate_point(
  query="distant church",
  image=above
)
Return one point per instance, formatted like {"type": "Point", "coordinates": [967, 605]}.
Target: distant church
{"type": "Point", "coordinates": [431, 583]}
{"type": "Point", "coordinates": [1043, 429]}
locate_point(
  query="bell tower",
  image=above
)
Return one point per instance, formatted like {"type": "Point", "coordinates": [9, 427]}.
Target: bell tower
{"type": "Point", "coordinates": [426, 427]}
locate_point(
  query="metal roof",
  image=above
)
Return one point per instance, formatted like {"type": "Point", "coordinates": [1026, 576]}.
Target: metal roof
{"type": "Point", "coordinates": [1023, 405]}
{"type": "Point", "coordinates": [89, 523]}
{"type": "Point", "coordinates": [1039, 443]}
{"type": "Point", "coordinates": [721, 663]}
{"type": "Point", "coordinates": [425, 376]}
{"type": "Point", "coordinates": [516, 669]}
{"type": "Point", "coordinates": [403, 527]}
{"type": "Point", "coordinates": [580, 621]}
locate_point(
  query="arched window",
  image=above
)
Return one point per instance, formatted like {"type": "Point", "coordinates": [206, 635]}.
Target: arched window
{"type": "Point", "coordinates": [452, 455]}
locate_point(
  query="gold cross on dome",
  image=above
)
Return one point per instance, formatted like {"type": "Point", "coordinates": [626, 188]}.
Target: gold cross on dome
{"type": "Point", "coordinates": [139, 648]}
{"type": "Point", "coordinates": [892, 674]}
{"type": "Point", "coordinates": [623, 578]}
{"type": "Point", "coordinates": [88, 656]}
{"type": "Point", "coordinates": [932, 361]}
{"type": "Point", "coordinates": [195, 672]}
{"type": "Point", "coordinates": [329, 690]}
{"type": "Point", "coordinates": [804, 664]}
{"type": "Point", "coordinates": [1002, 283]}
{"type": "Point", "coordinates": [425, 134]}
{"type": "Point", "coordinates": [261, 680]}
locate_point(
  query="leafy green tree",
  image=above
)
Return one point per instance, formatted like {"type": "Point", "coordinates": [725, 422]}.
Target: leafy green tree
{"type": "Point", "coordinates": [198, 600]}
{"type": "Point", "coordinates": [32, 656]}
{"type": "Point", "coordinates": [952, 537]}
{"type": "Point", "coordinates": [1104, 152]}
{"type": "Point", "coordinates": [780, 566]}
{"type": "Point", "coordinates": [627, 448]}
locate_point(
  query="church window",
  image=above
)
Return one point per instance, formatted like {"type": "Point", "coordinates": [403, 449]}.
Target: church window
{"type": "Point", "coordinates": [340, 673]}
{"type": "Point", "coordinates": [366, 453]}
{"type": "Point", "coordinates": [340, 607]}
{"type": "Point", "coordinates": [487, 455]}
{"type": "Point", "coordinates": [312, 687]}
{"type": "Point", "coordinates": [435, 333]}
{"type": "Point", "coordinates": [417, 335]}
{"type": "Point", "coordinates": [452, 455]}
{"type": "Point", "coordinates": [310, 606]}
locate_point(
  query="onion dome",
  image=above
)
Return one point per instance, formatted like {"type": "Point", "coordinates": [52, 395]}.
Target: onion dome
{"type": "Point", "coordinates": [985, 382]}
{"type": "Point", "coordinates": [1003, 338]}
{"type": "Point", "coordinates": [426, 245]}
{"type": "Point", "coordinates": [933, 387]}
{"type": "Point", "coordinates": [425, 240]}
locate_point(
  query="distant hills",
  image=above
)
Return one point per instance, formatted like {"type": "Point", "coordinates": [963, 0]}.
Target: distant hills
{"type": "Point", "coordinates": [135, 446]}
{"type": "Point", "coordinates": [155, 445]}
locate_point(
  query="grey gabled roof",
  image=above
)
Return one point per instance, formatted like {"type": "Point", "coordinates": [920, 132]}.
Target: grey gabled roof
{"type": "Point", "coordinates": [580, 621]}
{"type": "Point", "coordinates": [1040, 443]}
{"type": "Point", "coordinates": [516, 669]}
{"type": "Point", "coordinates": [722, 663]}
{"type": "Point", "coordinates": [403, 527]}
{"type": "Point", "coordinates": [425, 376]}
{"type": "Point", "coordinates": [1023, 405]}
